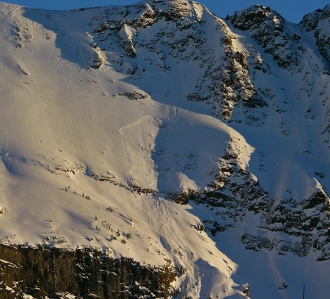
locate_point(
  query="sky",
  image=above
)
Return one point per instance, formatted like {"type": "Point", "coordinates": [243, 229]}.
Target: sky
{"type": "Point", "coordinates": [292, 10]}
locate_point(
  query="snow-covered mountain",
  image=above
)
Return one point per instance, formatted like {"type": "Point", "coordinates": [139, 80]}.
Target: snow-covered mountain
{"type": "Point", "coordinates": [162, 133]}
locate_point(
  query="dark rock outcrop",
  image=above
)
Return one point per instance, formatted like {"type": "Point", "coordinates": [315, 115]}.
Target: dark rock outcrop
{"type": "Point", "coordinates": [318, 22]}
{"type": "Point", "coordinates": [236, 192]}
{"type": "Point", "coordinates": [84, 273]}
{"type": "Point", "coordinates": [270, 31]}
{"type": "Point", "coordinates": [182, 35]}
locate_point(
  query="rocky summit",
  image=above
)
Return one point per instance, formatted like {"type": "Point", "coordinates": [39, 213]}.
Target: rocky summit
{"type": "Point", "coordinates": [156, 150]}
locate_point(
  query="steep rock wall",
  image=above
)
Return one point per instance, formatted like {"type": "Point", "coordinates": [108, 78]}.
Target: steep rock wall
{"type": "Point", "coordinates": [84, 273]}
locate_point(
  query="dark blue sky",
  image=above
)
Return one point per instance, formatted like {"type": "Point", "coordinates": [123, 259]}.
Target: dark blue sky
{"type": "Point", "coordinates": [292, 10]}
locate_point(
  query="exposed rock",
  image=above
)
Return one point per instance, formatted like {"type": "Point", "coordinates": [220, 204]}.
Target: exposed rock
{"type": "Point", "coordinates": [181, 36]}
{"type": "Point", "coordinates": [96, 63]}
{"type": "Point", "coordinates": [270, 31]}
{"type": "Point", "coordinates": [236, 192]}
{"type": "Point", "coordinates": [84, 273]}
{"type": "Point", "coordinates": [125, 34]}
{"type": "Point", "coordinates": [318, 22]}
{"type": "Point", "coordinates": [135, 95]}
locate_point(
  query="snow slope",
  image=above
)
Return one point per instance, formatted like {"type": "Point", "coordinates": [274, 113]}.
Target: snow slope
{"type": "Point", "coordinates": [108, 114]}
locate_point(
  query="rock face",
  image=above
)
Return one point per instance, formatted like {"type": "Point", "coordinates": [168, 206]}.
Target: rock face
{"type": "Point", "coordinates": [83, 273]}
{"type": "Point", "coordinates": [270, 31]}
{"type": "Point", "coordinates": [237, 193]}
{"type": "Point", "coordinates": [318, 23]}
{"type": "Point", "coordinates": [179, 30]}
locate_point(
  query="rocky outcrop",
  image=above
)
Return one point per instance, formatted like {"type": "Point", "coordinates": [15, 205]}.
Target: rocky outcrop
{"type": "Point", "coordinates": [82, 273]}
{"type": "Point", "coordinates": [294, 226]}
{"type": "Point", "coordinates": [226, 83]}
{"type": "Point", "coordinates": [318, 22]}
{"type": "Point", "coordinates": [307, 222]}
{"type": "Point", "coordinates": [270, 31]}
{"type": "Point", "coordinates": [180, 31]}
